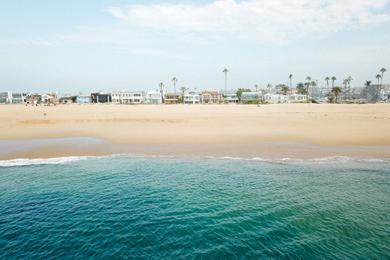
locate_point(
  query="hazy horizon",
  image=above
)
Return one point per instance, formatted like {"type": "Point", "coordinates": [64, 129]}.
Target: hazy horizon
{"type": "Point", "coordinates": [73, 46]}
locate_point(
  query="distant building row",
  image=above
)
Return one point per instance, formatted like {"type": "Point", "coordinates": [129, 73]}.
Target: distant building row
{"type": "Point", "coordinates": [149, 97]}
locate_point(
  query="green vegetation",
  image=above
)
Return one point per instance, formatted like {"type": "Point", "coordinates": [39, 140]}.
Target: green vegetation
{"type": "Point", "coordinates": [285, 89]}
{"type": "Point", "coordinates": [240, 90]}
{"type": "Point", "coordinates": [301, 89]}
{"type": "Point", "coordinates": [334, 94]}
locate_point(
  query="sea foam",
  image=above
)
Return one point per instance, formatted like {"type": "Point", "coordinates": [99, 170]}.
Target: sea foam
{"type": "Point", "coordinates": [72, 159]}
{"type": "Point", "coordinates": [26, 162]}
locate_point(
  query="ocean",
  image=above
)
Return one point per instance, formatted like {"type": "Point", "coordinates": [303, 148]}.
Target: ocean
{"type": "Point", "coordinates": [148, 207]}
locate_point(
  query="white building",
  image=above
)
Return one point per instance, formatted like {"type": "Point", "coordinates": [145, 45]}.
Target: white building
{"type": "Point", "coordinates": [297, 98]}
{"type": "Point", "coordinates": [191, 98]}
{"type": "Point", "coordinates": [280, 98]}
{"type": "Point", "coordinates": [153, 97]}
{"type": "Point", "coordinates": [128, 97]}
{"type": "Point", "coordinates": [230, 98]}
{"type": "Point", "coordinates": [276, 98]}
{"type": "Point", "coordinates": [12, 97]}
{"type": "Point", "coordinates": [83, 99]}
{"type": "Point", "coordinates": [4, 97]}
{"type": "Point", "coordinates": [251, 96]}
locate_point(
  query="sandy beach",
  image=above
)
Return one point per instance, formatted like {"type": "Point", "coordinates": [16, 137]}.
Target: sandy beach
{"type": "Point", "coordinates": [290, 130]}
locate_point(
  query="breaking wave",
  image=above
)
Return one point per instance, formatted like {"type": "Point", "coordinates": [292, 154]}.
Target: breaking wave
{"type": "Point", "coordinates": [72, 159]}
{"type": "Point", "coordinates": [27, 162]}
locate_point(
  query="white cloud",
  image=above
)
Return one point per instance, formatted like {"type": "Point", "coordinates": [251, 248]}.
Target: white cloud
{"type": "Point", "coordinates": [266, 20]}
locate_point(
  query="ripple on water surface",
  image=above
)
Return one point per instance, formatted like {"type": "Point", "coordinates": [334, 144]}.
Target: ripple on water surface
{"type": "Point", "coordinates": [191, 208]}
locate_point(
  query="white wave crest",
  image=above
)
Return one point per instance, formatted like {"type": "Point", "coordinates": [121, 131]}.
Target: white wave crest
{"type": "Point", "coordinates": [320, 160]}
{"type": "Point", "coordinates": [71, 159]}
{"type": "Point", "coordinates": [28, 162]}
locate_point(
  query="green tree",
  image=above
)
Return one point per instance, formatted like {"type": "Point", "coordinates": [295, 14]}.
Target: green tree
{"type": "Point", "coordinates": [336, 92]}
{"type": "Point", "coordinates": [183, 91]}
{"type": "Point", "coordinates": [290, 77]}
{"type": "Point", "coordinates": [174, 80]}
{"type": "Point", "coordinates": [378, 77]}
{"type": "Point", "coordinates": [383, 70]}
{"type": "Point", "coordinates": [327, 82]}
{"type": "Point", "coordinates": [307, 86]}
{"type": "Point", "coordinates": [285, 89]}
{"type": "Point", "coordinates": [333, 80]}
{"type": "Point", "coordinates": [240, 90]}
{"type": "Point", "coordinates": [226, 72]}
{"type": "Point", "coordinates": [269, 86]}
{"type": "Point", "coordinates": [301, 89]}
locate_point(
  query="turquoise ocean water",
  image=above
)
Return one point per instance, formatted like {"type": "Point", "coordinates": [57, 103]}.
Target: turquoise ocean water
{"type": "Point", "coordinates": [183, 208]}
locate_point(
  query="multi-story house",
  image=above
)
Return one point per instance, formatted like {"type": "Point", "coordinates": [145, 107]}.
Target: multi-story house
{"type": "Point", "coordinates": [128, 97]}
{"type": "Point", "coordinates": [230, 98]}
{"type": "Point", "coordinates": [153, 97]}
{"type": "Point", "coordinates": [211, 97]}
{"type": "Point", "coordinates": [191, 98]}
{"type": "Point", "coordinates": [100, 97]}
{"type": "Point", "coordinates": [171, 98]}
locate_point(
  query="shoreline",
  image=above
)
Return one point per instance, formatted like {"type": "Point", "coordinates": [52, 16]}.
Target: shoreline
{"type": "Point", "coordinates": [85, 146]}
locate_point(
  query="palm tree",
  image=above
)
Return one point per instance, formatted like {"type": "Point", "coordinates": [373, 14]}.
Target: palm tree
{"type": "Point", "coordinates": [383, 70]}
{"type": "Point", "coordinates": [327, 82]}
{"type": "Point", "coordinates": [290, 77]}
{"type": "Point", "coordinates": [301, 89]}
{"type": "Point", "coordinates": [368, 83]}
{"type": "Point", "coordinates": [345, 83]}
{"type": "Point", "coordinates": [307, 85]}
{"type": "Point", "coordinates": [256, 87]}
{"type": "Point", "coordinates": [226, 72]}
{"type": "Point", "coordinates": [313, 84]}
{"type": "Point", "coordinates": [308, 79]}
{"type": "Point", "coordinates": [378, 77]}
{"type": "Point", "coordinates": [183, 90]}
{"type": "Point", "coordinates": [174, 80]}
{"type": "Point", "coordinates": [336, 91]}
{"type": "Point", "coordinates": [349, 79]}
{"type": "Point", "coordinates": [269, 86]}
{"type": "Point", "coordinates": [333, 80]}
{"type": "Point", "coordinates": [161, 85]}
{"type": "Point", "coordinates": [285, 89]}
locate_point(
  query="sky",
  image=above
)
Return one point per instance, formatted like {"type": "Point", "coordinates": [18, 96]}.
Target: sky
{"type": "Point", "coordinates": [73, 46]}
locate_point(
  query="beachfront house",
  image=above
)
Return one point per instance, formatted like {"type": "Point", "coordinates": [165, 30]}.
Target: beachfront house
{"type": "Point", "coordinates": [230, 98]}
{"type": "Point", "coordinates": [211, 97]}
{"type": "Point", "coordinates": [153, 97]}
{"type": "Point", "coordinates": [100, 97]}
{"type": "Point", "coordinates": [251, 97]}
{"type": "Point", "coordinates": [83, 99]}
{"type": "Point", "coordinates": [297, 98]}
{"type": "Point", "coordinates": [67, 99]}
{"type": "Point", "coordinates": [171, 98]}
{"type": "Point", "coordinates": [13, 97]}
{"type": "Point", "coordinates": [384, 92]}
{"type": "Point", "coordinates": [18, 97]}
{"type": "Point", "coordinates": [4, 97]}
{"type": "Point", "coordinates": [128, 97]}
{"type": "Point", "coordinates": [49, 99]}
{"type": "Point", "coordinates": [275, 98]}
{"type": "Point", "coordinates": [33, 99]}
{"type": "Point", "coordinates": [191, 98]}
